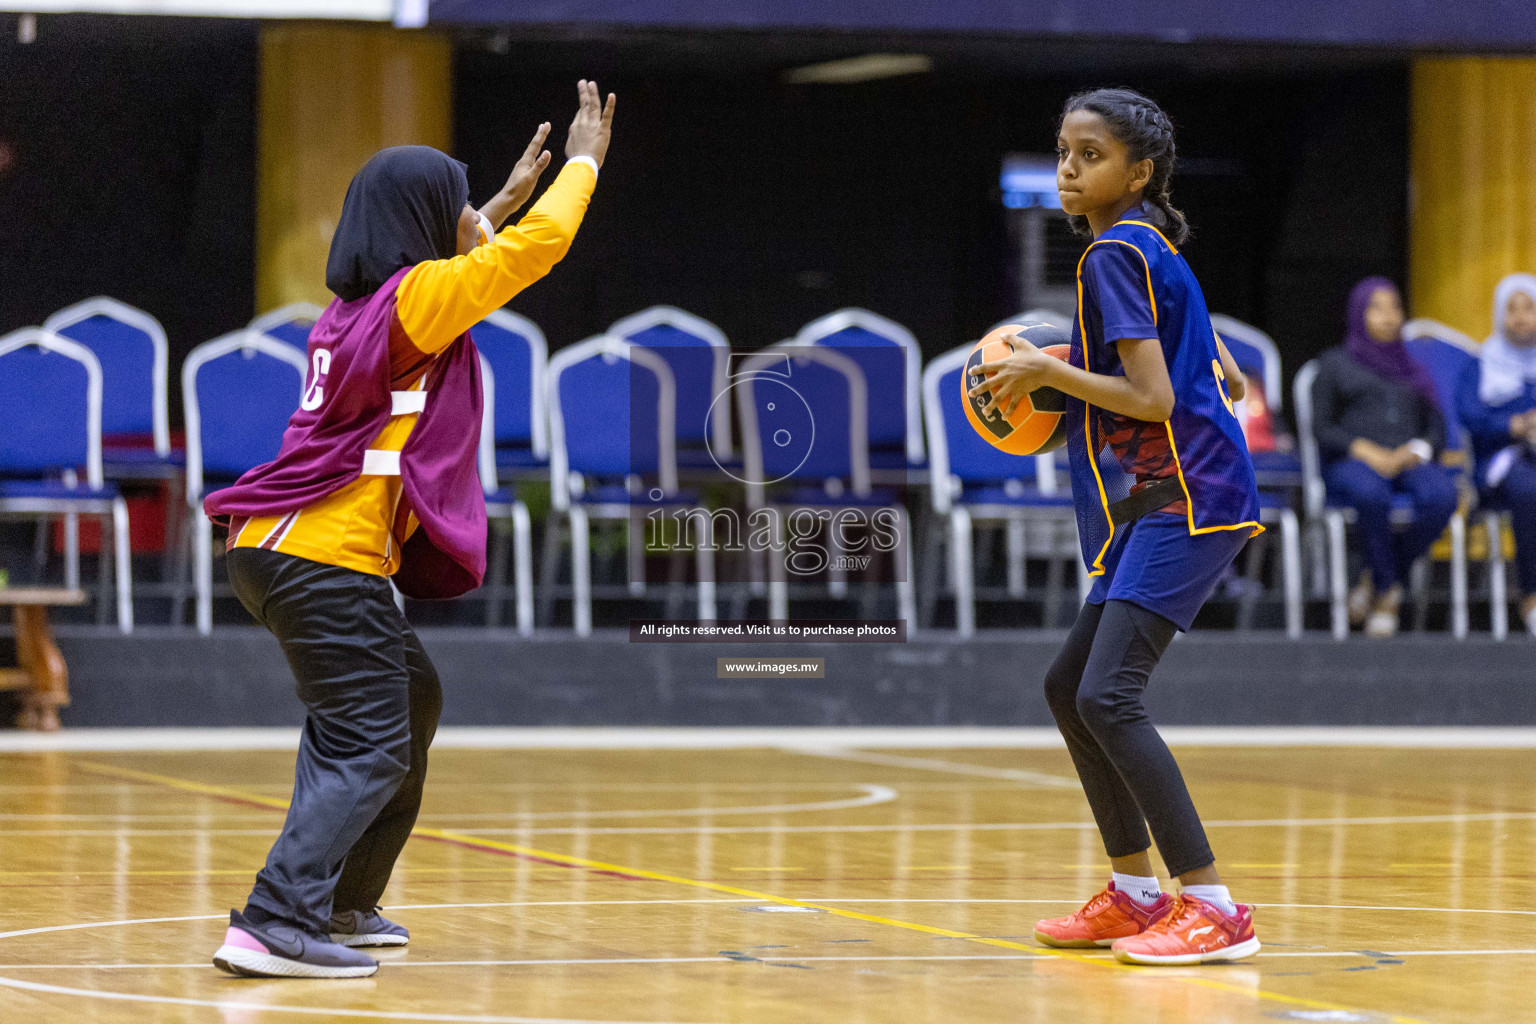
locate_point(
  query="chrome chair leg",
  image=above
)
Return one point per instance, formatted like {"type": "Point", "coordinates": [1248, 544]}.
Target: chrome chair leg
{"type": "Point", "coordinates": [1337, 584]}
{"type": "Point", "coordinates": [1498, 581]}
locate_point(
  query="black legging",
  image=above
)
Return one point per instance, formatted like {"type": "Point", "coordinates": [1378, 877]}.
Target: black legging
{"type": "Point", "coordinates": [1094, 688]}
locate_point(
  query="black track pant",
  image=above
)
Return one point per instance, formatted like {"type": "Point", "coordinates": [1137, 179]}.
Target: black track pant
{"type": "Point", "coordinates": [1131, 779]}
{"type": "Point", "coordinates": [374, 701]}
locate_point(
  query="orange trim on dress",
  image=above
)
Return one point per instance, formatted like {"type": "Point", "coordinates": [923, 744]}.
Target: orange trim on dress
{"type": "Point", "coordinates": [1189, 503]}
{"type": "Point", "coordinates": [1153, 227]}
{"type": "Point", "coordinates": [1097, 568]}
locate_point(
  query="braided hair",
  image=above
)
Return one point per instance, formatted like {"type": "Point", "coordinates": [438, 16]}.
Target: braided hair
{"type": "Point", "coordinates": [1147, 133]}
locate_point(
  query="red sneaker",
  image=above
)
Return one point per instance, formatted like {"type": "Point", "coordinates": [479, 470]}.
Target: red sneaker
{"type": "Point", "coordinates": [1108, 916]}
{"type": "Point", "coordinates": [1195, 932]}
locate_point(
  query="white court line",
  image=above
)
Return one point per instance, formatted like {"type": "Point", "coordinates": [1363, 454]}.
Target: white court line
{"type": "Point", "coordinates": [991, 826]}
{"type": "Point", "coordinates": [1262, 906]}
{"type": "Point", "coordinates": [229, 1004]}
{"type": "Point", "coordinates": [566, 791]}
{"type": "Point", "coordinates": [936, 765]}
{"type": "Point", "coordinates": [75, 832]}
{"type": "Point", "coordinates": [1003, 826]}
{"type": "Point", "coordinates": [16, 983]}
{"type": "Point", "coordinates": [129, 817]}
{"type": "Point", "coordinates": [872, 795]}
{"type": "Point", "coordinates": [634, 961]}
{"type": "Point", "coordinates": [404, 906]}
{"type": "Point", "coordinates": [45, 929]}
{"type": "Point", "coordinates": [702, 738]}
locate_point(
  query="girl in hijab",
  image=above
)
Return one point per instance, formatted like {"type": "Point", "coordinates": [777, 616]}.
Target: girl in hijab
{"type": "Point", "coordinates": [1496, 400]}
{"type": "Point", "coordinates": [1379, 430]}
{"type": "Point", "coordinates": [375, 481]}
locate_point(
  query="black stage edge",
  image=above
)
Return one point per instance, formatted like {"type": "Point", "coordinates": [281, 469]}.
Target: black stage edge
{"type": "Point", "coordinates": [237, 677]}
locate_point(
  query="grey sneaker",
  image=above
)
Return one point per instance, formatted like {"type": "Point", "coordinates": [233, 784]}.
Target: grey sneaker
{"type": "Point", "coordinates": [281, 950]}
{"type": "Point", "coordinates": [356, 928]}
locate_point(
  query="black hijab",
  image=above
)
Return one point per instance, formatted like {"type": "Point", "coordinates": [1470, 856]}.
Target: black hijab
{"type": "Point", "coordinates": [401, 209]}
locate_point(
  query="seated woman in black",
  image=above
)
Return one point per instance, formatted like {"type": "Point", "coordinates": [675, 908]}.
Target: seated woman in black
{"type": "Point", "coordinates": [1379, 428]}
{"type": "Point", "coordinates": [1496, 400]}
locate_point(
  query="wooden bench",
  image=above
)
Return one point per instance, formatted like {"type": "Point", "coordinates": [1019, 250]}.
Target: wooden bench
{"type": "Point", "coordinates": [41, 672]}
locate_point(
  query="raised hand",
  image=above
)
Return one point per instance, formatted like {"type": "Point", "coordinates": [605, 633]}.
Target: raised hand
{"type": "Point", "coordinates": [525, 173]}
{"type": "Point", "coordinates": [521, 182]}
{"type": "Point", "coordinates": [592, 126]}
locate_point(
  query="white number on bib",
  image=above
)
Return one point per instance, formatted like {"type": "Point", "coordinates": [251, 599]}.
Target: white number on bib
{"type": "Point", "coordinates": [315, 393]}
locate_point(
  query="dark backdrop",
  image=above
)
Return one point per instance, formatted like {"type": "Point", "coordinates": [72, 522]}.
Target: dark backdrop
{"type": "Point", "coordinates": [127, 168]}
{"type": "Point", "coordinates": [1467, 24]}
{"type": "Point", "coordinates": [760, 205]}
{"type": "Point", "coordinates": [127, 161]}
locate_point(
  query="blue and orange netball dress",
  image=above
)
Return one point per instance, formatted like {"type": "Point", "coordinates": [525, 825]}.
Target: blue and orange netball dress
{"type": "Point", "coordinates": [1132, 283]}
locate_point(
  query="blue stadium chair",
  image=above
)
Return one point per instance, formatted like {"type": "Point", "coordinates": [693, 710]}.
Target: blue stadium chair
{"type": "Point", "coordinates": [238, 392]}
{"type": "Point", "coordinates": [51, 391]}
{"type": "Point", "coordinates": [130, 345]}
{"type": "Point", "coordinates": [699, 355]}
{"type": "Point", "coordinates": [1331, 519]}
{"type": "Point", "coordinates": [1279, 473]}
{"type": "Point", "coordinates": [1446, 353]}
{"type": "Point", "coordinates": [973, 481]}
{"type": "Point", "coordinates": [515, 350]}
{"type": "Point", "coordinates": [1424, 327]}
{"type": "Point", "coordinates": [891, 361]}
{"type": "Point", "coordinates": [599, 463]}
{"type": "Point", "coordinates": [502, 506]}
{"type": "Point", "coordinates": [1257, 355]}
{"type": "Point", "coordinates": [291, 323]}
{"type": "Point", "coordinates": [795, 388]}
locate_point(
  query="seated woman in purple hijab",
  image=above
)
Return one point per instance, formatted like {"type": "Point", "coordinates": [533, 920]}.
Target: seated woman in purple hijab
{"type": "Point", "coordinates": [1379, 431]}
{"type": "Point", "coordinates": [376, 480]}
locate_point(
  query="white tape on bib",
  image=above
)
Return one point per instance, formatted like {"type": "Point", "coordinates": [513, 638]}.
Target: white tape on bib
{"type": "Point", "coordinates": [381, 463]}
{"type": "Point", "coordinates": [404, 403]}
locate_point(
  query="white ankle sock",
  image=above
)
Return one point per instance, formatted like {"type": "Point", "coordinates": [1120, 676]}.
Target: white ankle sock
{"type": "Point", "coordinates": [1216, 895]}
{"type": "Point", "coordinates": [1143, 889]}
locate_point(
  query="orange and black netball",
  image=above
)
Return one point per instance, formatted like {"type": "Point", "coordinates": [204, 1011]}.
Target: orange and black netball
{"type": "Point", "coordinates": [1037, 423]}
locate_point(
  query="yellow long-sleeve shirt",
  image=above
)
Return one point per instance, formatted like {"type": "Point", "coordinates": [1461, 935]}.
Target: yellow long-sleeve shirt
{"type": "Point", "coordinates": [361, 526]}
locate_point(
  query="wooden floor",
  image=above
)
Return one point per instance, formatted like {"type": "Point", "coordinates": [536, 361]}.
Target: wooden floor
{"type": "Point", "coordinates": [775, 887]}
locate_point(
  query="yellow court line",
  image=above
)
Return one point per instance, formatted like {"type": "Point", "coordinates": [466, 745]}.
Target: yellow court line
{"type": "Point", "coordinates": [458, 838]}
{"type": "Point", "coordinates": [185, 785]}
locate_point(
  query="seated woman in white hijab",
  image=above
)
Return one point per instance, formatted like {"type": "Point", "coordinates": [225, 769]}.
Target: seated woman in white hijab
{"type": "Point", "coordinates": [1496, 400]}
